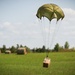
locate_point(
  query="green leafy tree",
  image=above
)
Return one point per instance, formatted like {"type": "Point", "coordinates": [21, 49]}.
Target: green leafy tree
{"type": "Point", "coordinates": [21, 46]}
{"type": "Point", "coordinates": [33, 50]}
{"type": "Point", "coordinates": [3, 49]}
{"type": "Point", "coordinates": [66, 46]}
{"type": "Point", "coordinates": [43, 49]}
{"type": "Point", "coordinates": [13, 49]}
{"type": "Point", "coordinates": [17, 46]}
{"type": "Point", "coordinates": [56, 48]}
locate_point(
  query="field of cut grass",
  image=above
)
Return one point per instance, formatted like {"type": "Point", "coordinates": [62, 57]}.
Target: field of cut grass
{"type": "Point", "coordinates": [62, 63]}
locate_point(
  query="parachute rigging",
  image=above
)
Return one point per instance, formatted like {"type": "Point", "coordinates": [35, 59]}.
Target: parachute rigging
{"type": "Point", "coordinates": [50, 11]}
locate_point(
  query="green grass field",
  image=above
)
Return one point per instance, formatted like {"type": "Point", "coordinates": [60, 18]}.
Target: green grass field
{"type": "Point", "coordinates": [62, 63]}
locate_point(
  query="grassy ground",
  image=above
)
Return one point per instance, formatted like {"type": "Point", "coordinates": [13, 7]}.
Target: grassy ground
{"type": "Point", "coordinates": [62, 63]}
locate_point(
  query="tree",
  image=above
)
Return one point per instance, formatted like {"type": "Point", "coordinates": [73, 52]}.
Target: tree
{"type": "Point", "coordinates": [17, 46]}
{"type": "Point", "coordinates": [66, 46]}
{"type": "Point", "coordinates": [56, 48]}
{"type": "Point", "coordinates": [3, 49]}
{"type": "Point", "coordinates": [33, 50]}
{"type": "Point", "coordinates": [43, 49]}
{"type": "Point", "coordinates": [21, 46]}
{"type": "Point", "coordinates": [13, 49]}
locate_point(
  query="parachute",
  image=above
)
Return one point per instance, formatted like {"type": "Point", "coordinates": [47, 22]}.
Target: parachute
{"type": "Point", "coordinates": [50, 11]}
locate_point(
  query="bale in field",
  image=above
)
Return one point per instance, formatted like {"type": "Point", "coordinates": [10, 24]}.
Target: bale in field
{"type": "Point", "coordinates": [7, 52]}
{"type": "Point", "coordinates": [21, 51]}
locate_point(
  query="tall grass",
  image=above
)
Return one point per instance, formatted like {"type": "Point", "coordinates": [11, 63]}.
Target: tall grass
{"type": "Point", "coordinates": [62, 63]}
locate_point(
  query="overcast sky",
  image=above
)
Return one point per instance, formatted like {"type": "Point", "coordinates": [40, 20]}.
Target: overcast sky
{"type": "Point", "coordinates": [19, 24]}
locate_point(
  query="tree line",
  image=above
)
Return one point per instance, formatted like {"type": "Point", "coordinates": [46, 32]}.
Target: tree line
{"type": "Point", "coordinates": [13, 49]}
{"type": "Point", "coordinates": [57, 48]}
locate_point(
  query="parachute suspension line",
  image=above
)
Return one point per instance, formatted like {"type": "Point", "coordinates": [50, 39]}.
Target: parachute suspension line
{"type": "Point", "coordinates": [56, 29]}
{"type": "Point", "coordinates": [43, 34]}
{"type": "Point", "coordinates": [57, 13]}
{"type": "Point", "coordinates": [53, 36]}
{"type": "Point", "coordinates": [41, 30]}
{"type": "Point", "coordinates": [49, 34]}
{"type": "Point", "coordinates": [48, 38]}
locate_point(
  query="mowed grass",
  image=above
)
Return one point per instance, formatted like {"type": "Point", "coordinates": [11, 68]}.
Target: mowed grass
{"type": "Point", "coordinates": [62, 63]}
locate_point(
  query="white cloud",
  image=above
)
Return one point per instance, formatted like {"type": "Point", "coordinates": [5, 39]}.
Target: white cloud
{"type": "Point", "coordinates": [1, 33]}
{"type": "Point", "coordinates": [9, 28]}
{"type": "Point", "coordinates": [69, 11]}
{"type": "Point", "coordinates": [7, 24]}
{"type": "Point", "coordinates": [69, 14]}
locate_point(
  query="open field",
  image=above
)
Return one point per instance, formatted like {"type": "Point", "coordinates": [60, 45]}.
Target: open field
{"type": "Point", "coordinates": [62, 63]}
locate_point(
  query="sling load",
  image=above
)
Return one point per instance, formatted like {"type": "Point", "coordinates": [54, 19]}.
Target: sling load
{"type": "Point", "coordinates": [50, 11]}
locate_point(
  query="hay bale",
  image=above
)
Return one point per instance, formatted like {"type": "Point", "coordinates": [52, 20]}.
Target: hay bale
{"type": "Point", "coordinates": [7, 52]}
{"type": "Point", "coordinates": [21, 51]}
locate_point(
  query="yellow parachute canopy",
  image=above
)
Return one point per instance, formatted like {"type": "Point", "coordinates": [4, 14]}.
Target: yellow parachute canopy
{"type": "Point", "coordinates": [50, 11]}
